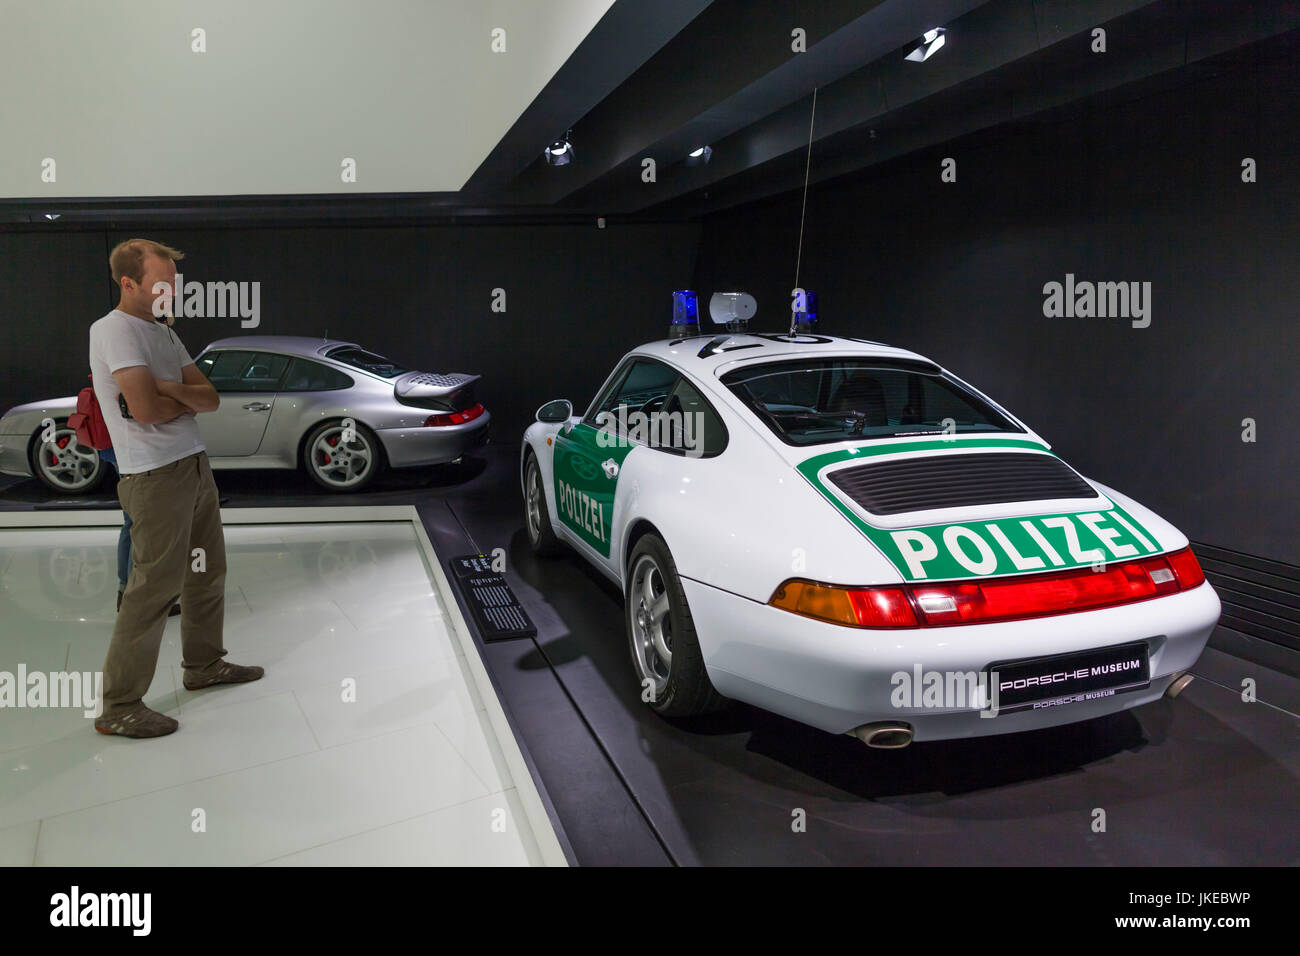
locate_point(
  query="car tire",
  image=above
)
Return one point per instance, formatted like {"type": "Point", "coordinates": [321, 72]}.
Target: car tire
{"type": "Point", "coordinates": [680, 686]}
{"type": "Point", "coordinates": [321, 457]}
{"type": "Point", "coordinates": [66, 467]}
{"type": "Point", "coordinates": [537, 518]}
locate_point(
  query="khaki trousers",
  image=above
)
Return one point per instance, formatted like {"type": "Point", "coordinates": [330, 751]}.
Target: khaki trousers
{"type": "Point", "coordinates": [174, 509]}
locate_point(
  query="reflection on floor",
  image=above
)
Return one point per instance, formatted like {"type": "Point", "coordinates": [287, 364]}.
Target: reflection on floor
{"type": "Point", "coordinates": [286, 770]}
{"type": "Point", "coordinates": [1208, 778]}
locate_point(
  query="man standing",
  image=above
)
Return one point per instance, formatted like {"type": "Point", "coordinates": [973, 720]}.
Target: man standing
{"type": "Point", "coordinates": [150, 391]}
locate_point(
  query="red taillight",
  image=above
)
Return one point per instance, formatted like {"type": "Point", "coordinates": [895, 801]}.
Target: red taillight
{"type": "Point", "coordinates": [854, 607]}
{"type": "Point", "coordinates": [455, 418]}
{"type": "Point", "coordinates": [997, 599]}
{"type": "Point", "coordinates": [1036, 595]}
{"type": "Point", "coordinates": [1186, 568]}
{"type": "Point", "coordinates": [882, 607]}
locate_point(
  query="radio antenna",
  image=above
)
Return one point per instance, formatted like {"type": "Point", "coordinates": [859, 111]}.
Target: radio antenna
{"type": "Point", "coordinates": [798, 259]}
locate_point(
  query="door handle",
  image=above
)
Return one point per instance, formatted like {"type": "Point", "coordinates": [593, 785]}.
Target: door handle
{"type": "Point", "coordinates": [610, 467]}
{"type": "Point", "coordinates": [256, 407]}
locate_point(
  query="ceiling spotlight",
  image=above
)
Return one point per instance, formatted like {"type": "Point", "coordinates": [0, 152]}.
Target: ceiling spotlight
{"type": "Point", "coordinates": [51, 216]}
{"type": "Point", "coordinates": [930, 44]}
{"type": "Point", "coordinates": [560, 153]}
{"type": "Point", "coordinates": [699, 156]}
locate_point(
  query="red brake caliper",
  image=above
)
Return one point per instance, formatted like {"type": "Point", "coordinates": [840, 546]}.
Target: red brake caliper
{"type": "Point", "coordinates": [331, 441]}
{"type": "Point", "coordinates": [62, 443]}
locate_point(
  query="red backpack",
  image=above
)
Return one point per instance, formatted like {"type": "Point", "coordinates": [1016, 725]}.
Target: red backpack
{"type": "Point", "coordinates": [88, 421]}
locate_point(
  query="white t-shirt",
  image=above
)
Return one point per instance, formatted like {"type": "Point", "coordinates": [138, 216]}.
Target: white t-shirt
{"type": "Point", "coordinates": [118, 341]}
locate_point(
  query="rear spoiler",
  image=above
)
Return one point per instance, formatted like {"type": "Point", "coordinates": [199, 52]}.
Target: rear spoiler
{"type": "Point", "coordinates": [431, 385]}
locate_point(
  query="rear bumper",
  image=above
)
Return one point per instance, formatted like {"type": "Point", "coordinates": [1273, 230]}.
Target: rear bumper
{"type": "Point", "coordinates": [413, 447]}
{"type": "Point", "coordinates": [837, 678]}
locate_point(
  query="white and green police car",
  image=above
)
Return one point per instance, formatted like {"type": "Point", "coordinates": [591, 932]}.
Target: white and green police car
{"type": "Point", "coordinates": [847, 534]}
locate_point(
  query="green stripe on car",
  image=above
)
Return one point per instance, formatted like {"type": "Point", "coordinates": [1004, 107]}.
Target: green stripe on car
{"type": "Point", "coordinates": [584, 491]}
{"type": "Point", "coordinates": [988, 548]}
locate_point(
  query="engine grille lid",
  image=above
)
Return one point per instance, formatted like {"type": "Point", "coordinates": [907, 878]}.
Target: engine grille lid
{"type": "Point", "coordinates": [430, 384]}
{"type": "Point", "coordinates": [958, 480]}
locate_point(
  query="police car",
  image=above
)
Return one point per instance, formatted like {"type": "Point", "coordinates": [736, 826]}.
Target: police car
{"type": "Point", "coordinates": [847, 534]}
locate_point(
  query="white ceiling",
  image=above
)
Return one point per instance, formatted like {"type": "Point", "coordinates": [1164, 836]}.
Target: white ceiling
{"type": "Point", "coordinates": [287, 89]}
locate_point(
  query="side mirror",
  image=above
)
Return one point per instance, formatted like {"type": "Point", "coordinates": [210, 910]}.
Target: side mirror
{"type": "Point", "coordinates": [553, 413]}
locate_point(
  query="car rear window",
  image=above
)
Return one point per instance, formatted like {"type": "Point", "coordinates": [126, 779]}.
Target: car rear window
{"type": "Point", "coordinates": [828, 400]}
{"type": "Point", "coordinates": [367, 361]}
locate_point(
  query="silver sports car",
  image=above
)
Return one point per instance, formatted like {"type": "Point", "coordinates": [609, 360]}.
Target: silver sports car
{"type": "Point", "coordinates": [340, 413]}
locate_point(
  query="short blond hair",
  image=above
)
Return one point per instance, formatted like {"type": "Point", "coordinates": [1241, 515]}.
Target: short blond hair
{"type": "Point", "coordinates": [127, 258]}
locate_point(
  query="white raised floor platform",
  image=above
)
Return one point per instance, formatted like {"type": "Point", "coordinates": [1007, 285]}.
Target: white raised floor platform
{"type": "Point", "coordinates": [420, 769]}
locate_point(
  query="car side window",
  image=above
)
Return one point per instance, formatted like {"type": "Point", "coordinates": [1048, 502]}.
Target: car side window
{"type": "Point", "coordinates": [223, 367]}
{"type": "Point", "coordinates": [308, 376]}
{"type": "Point", "coordinates": [644, 388]}
{"type": "Point", "coordinates": [264, 372]}
{"type": "Point", "coordinates": [695, 427]}
{"type": "Point", "coordinates": [610, 391]}
{"type": "Point", "coordinates": [238, 370]}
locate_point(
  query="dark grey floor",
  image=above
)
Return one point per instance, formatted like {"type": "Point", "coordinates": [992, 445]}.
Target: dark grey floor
{"type": "Point", "coordinates": [1204, 779]}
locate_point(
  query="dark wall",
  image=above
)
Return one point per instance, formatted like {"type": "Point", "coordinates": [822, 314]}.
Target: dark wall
{"type": "Point", "coordinates": [577, 298]}
{"type": "Point", "coordinates": [51, 288]}
{"type": "Point", "coordinates": [1147, 189]}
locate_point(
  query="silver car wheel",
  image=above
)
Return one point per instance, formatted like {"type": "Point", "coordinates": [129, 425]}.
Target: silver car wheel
{"type": "Point", "coordinates": [66, 464]}
{"type": "Point", "coordinates": [341, 464]}
{"type": "Point", "coordinates": [533, 497]}
{"type": "Point", "coordinates": [651, 629]}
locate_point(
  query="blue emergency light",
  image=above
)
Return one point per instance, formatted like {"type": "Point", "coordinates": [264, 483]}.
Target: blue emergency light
{"type": "Point", "coordinates": [804, 308]}
{"type": "Point", "coordinates": [686, 315]}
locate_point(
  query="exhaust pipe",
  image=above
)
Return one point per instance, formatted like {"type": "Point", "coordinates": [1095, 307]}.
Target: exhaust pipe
{"type": "Point", "coordinates": [1178, 685]}
{"type": "Point", "coordinates": [884, 734]}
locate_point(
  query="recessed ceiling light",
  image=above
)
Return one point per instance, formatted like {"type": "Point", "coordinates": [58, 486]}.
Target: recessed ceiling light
{"type": "Point", "coordinates": [928, 46]}
{"type": "Point", "coordinates": [699, 156]}
{"type": "Point", "coordinates": [560, 153]}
